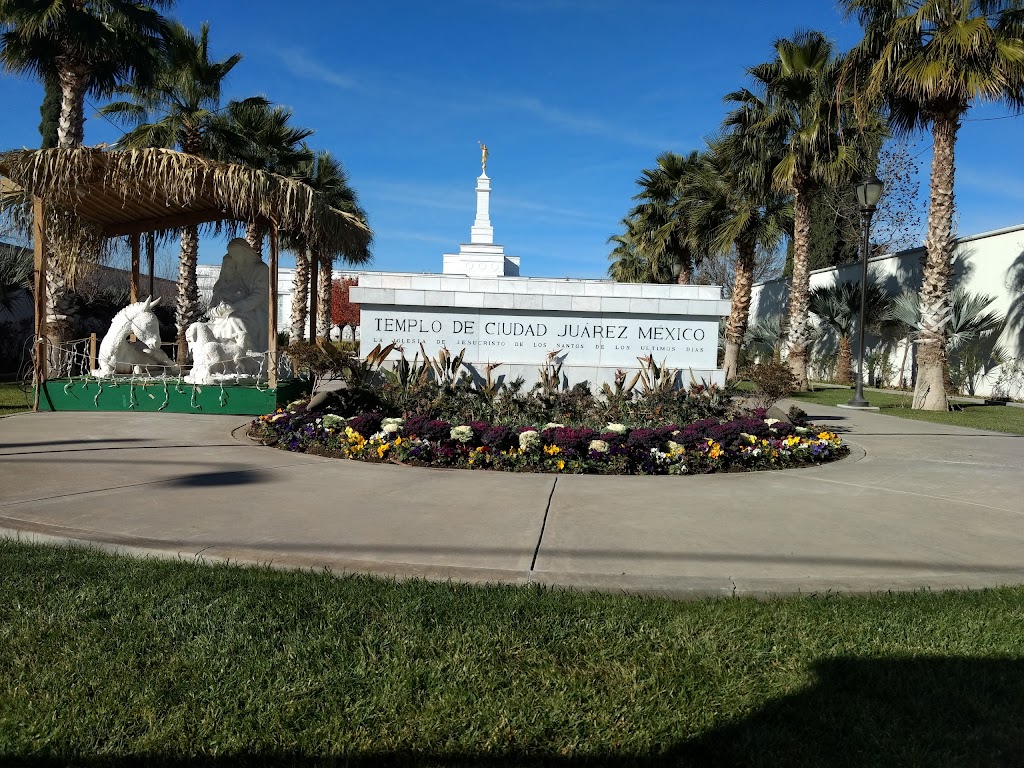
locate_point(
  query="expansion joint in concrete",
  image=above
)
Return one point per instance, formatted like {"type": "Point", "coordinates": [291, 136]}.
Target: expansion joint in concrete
{"type": "Point", "coordinates": [543, 525]}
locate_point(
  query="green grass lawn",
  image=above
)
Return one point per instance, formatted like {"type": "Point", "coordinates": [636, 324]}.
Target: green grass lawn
{"type": "Point", "coordinates": [1001, 418]}
{"type": "Point", "coordinates": [117, 661]}
{"type": "Point", "coordinates": [13, 398]}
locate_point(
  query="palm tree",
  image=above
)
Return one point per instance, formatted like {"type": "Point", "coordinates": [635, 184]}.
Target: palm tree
{"type": "Point", "coordinates": [91, 45]}
{"type": "Point", "coordinates": [178, 109]}
{"type": "Point", "coordinates": [661, 233]}
{"type": "Point", "coordinates": [79, 47]}
{"type": "Point", "coordinates": [971, 321]}
{"type": "Point", "coordinates": [765, 337]}
{"type": "Point", "coordinates": [928, 61]}
{"type": "Point", "coordinates": [261, 137]}
{"type": "Point", "coordinates": [797, 98]}
{"type": "Point", "coordinates": [730, 197]}
{"type": "Point", "coordinates": [838, 307]}
{"type": "Point", "coordinates": [326, 175]}
{"type": "Point", "coordinates": [628, 264]}
{"type": "Point", "coordinates": [15, 276]}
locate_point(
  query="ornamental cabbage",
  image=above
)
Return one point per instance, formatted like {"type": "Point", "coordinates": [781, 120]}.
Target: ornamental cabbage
{"type": "Point", "coordinates": [529, 440]}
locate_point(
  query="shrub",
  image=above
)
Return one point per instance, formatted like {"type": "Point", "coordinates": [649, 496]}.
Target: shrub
{"type": "Point", "coordinates": [319, 361]}
{"type": "Point", "coordinates": [773, 380]}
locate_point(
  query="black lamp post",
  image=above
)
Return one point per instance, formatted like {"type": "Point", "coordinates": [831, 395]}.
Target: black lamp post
{"type": "Point", "coordinates": [868, 192]}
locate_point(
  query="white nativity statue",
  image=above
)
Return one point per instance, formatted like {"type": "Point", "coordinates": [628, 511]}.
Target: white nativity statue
{"type": "Point", "coordinates": [119, 354]}
{"type": "Point", "coordinates": [233, 345]}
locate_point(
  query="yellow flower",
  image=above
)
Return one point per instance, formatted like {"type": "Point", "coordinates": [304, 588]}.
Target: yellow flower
{"type": "Point", "coordinates": [716, 450]}
{"type": "Point", "coordinates": [552, 450]}
{"type": "Point", "coordinates": [826, 436]}
{"type": "Point", "coordinates": [561, 464]}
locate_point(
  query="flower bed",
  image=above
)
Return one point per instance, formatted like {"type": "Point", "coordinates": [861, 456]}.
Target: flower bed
{"type": "Point", "coordinates": [709, 445]}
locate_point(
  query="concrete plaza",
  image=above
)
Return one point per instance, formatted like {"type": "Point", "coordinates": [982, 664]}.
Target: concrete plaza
{"type": "Point", "coordinates": [917, 505]}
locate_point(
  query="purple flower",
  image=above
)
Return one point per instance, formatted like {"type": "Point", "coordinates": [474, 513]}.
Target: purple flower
{"type": "Point", "coordinates": [367, 424]}
{"type": "Point", "coordinates": [571, 441]}
{"type": "Point", "coordinates": [500, 438]}
{"type": "Point", "coordinates": [644, 439]}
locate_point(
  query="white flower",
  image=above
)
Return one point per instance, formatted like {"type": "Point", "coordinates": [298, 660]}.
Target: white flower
{"type": "Point", "coordinates": [659, 456]}
{"type": "Point", "coordinates": [462, 434]}
{"type": "Point", "coordinates": [619, 428]}
{"type": "Point", "coordinates": [673, 446]}
{"type": "Point", "coordinates": [390, 429]}
{"type": "Point", "coordinates": [801, 430]}
{"type": "Point", "coordinates": [769, 422]}
{"type": "Point", "coordinates": [529, 440]}
{"type": "Point", "coordinates": [392, 420]}
{"type": "Point", "coordinates": [332, 420]}
{"type": "Point", "coordinates": [599, 445]}
{"type": "Point", "coordinates": [551, 425]}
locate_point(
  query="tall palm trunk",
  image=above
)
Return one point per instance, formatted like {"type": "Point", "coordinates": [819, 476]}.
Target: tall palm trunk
{"type": "Point", "coordinates": [930, 388]}
{"type": "Point", "coordinates": [188, 291]}
{"type": "Point", "coordinates": [71, 126]}
{"type": "Point", "coordinates": [800, 287]}
{"type": "Point", "coordinates": [254, 237]}
{"type": "Point", "coordinates": [844, 366]}
{"type": "Point", "coordinates": [739, 311]}
{"type": "Point", "coordinates": [686, 271]}
{"type": "Point", "coordinates": [59, 309]}
{"type": "Point", "coordinates": [300, 298]}
{"type": "Point", "coordinates": [59, 319]}
{"type": "Point", "coordinates": [323, 324]}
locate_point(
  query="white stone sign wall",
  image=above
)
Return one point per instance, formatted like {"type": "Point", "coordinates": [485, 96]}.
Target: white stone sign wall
{"type": "Point", "coordinates": [597, 326]}
{"type": "Point", "coordinates": [588, 339]}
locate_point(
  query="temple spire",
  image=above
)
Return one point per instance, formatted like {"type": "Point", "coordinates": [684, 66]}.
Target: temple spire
{"type": "Point", "coordinates": [480, 257]}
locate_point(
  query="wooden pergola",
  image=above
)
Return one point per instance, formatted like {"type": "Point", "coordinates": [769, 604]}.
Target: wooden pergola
{"type": "Point", "coordinates": [124, 193]}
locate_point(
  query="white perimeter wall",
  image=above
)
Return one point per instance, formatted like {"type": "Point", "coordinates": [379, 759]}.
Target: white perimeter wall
{"type": "Point", "coordinates": [991, 263]}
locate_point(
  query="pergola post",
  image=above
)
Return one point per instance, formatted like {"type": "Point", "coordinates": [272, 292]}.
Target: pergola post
{"type": "Point", "coordinates": [39, 254]}
{"type": "Point", "coordinates": [151, 258]}
{"type": "Point", "coordinates": [314, 293]}
{"type": "Point", "coordinates": [133, 287]}
{"type": "Point", "coordinates": [272, 336]}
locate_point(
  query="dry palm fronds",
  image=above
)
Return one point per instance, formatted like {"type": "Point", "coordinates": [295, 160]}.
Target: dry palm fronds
{"type": "Point", "coordinates": [99, 191]}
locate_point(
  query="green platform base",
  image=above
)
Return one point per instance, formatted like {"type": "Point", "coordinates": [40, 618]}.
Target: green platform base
{"type": "Point", "coordinates": [171, 397]}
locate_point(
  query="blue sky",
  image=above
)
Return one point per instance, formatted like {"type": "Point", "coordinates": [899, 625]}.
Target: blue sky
{"type": "Point", "coordinates": [573, 97]}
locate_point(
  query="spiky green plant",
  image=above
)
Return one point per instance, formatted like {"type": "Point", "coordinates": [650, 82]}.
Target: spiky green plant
{"type": "Point", "coordinates": [837, 306]}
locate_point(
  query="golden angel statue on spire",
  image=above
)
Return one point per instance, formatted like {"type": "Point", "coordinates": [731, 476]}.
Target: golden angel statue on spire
{"type": "Point", "coordinates": [483, 156]}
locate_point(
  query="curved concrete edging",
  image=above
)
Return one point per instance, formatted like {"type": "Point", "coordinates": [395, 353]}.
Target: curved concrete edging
{"type": "Point", "coordinates": [913, 506]}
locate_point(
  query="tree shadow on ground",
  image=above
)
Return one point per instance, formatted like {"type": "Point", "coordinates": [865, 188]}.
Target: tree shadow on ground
{"type": "Point", "coordinates": [920, 711]}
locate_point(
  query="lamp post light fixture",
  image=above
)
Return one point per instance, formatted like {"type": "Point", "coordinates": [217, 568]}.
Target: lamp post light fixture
{"type": "Point", "coordinates": [868, 193]}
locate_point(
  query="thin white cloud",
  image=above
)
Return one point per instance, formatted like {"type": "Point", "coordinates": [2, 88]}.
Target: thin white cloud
{"type": "Point", "coordinates": [551, 212]}
{"type": "Point", "coordinates": [434, 196]}
{"type": "Point", "coordinates": [418, 237]}
{"type": "Point", "coordinates": [420, 195]}
{"type": "Point", "coordinates": [300, 64]}
{"type": "Point", "coordinates": [587, 125]}
{"type": "Point", "coordinates": [996, 184]}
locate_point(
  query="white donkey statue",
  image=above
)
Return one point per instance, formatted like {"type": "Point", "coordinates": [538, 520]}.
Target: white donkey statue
{"type": "Point", "coordinates": [118, 354]}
